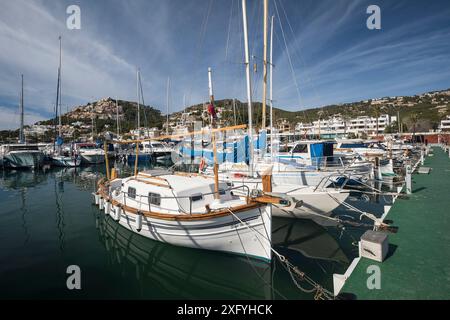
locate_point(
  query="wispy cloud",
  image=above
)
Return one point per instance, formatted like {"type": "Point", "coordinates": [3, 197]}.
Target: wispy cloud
{"type": "Point", "coordinates": [335, 58]}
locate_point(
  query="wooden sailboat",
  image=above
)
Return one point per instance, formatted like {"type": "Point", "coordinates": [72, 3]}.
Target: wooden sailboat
{"type": "Point", "coordinates": [190, 210]}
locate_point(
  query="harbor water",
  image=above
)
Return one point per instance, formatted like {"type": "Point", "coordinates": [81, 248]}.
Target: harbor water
{"type": "Point", "coordinates": [48, 223]}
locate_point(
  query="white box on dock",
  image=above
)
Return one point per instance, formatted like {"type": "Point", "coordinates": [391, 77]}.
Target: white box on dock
{"type": "Point", "coordinates": [374, 245]}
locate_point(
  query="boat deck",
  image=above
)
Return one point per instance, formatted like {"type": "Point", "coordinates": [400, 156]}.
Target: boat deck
{"type": "Point", "coordinates": [418, 262]}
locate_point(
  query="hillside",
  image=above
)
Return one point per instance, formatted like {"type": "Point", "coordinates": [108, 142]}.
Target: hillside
{"type": "Point", "coordinates": [104, 113]}
{"type": "Point", "coordinates": [431, 107]}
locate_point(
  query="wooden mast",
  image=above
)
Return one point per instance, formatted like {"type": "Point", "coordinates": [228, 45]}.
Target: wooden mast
{"type": "Point", "coordinates": [216, 165]}
{"type": "Point", "coordinates": [263, 126]}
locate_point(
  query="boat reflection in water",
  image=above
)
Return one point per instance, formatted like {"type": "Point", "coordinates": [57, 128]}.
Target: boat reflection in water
{"type": "Point", "coordinates": [179, 272]}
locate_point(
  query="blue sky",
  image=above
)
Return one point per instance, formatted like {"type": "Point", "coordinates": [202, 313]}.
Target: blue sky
{"type": "Point", "coordinates": [335, 58]}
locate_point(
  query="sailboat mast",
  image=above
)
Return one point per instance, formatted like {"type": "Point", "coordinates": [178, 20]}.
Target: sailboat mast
{"type": "Point", "coordinates": [271, 86]}
{"type": "Point", "coordinates": [167, 115]}
{"type": "Point", "coordinates": [249, 84]}
{"type": "Point", "coordinates": [234, 110]}
{"type": "Point", "coordinates": [216, 165]}
{"type": "Point", "coordinates": [138, 107]}
{"type": "Point", "coordinates": [266, 9]}
{"type": "Point", "coordinates": [59, 85]}
{"type": "Point", "coordinates": [117, 118]}
{"type": "Point", "coordinates": [21, 137]}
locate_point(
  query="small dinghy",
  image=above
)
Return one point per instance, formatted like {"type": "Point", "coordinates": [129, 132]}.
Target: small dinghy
{"type": "Point", "coordinates": [190, 211]}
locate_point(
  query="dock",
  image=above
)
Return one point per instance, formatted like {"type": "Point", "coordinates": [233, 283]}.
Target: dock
{"type": "Point", "coordinates": [417, 265]}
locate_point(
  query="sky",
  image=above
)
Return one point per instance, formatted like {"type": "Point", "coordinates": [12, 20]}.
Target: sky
{"type": "Point", "coordinates": [323, 52]}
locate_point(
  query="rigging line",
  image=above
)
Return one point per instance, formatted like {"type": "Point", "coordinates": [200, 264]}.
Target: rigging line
{"type": "Point", "coordinates": [229, 29]}
{"type": "Point", "coordinates": [200, 43]}
{"type": "Point", "coordinates": [316, 287]}
{"type": "Point", "coordinates": [290, 60]}
{"type": "Point", "coordinates": [254, 269]}
{"type": "Point", "coordinates": [143, 102]}
{"type": "Point", "coordinates": [297, 53]}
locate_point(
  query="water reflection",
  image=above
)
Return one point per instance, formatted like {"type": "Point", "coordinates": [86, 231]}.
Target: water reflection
{"type": "Point", "coordinates": [153, 269]}
{"type": "Point", "coordinates": [189, 273]}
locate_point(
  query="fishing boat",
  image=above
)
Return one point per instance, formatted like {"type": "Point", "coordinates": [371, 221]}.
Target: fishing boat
{"type": "Point", "coordinates": [316, 200]}
{"type": "Point", "coordinates": [184, 210]}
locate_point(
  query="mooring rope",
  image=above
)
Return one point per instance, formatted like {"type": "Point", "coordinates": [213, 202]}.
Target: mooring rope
{"type": "Point", "coordinates": [320, 292]}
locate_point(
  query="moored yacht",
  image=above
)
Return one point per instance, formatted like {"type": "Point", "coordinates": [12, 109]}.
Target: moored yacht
{"type": "Point", "coordinates": [21, 155]}
{"type": "Point", "coordinates": [90, 153]}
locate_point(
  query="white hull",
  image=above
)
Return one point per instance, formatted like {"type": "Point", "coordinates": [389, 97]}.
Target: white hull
{"type": "Point", "coordinates": [315, 202]}
{"type": "Point", "coordinates": [92, 158]}
{"type": "Point", "coordinates": [62, 161]}
{"type": "Point", "coordinates": [223, 233]}
{"type": "Point", "coordinates": [23, 159]}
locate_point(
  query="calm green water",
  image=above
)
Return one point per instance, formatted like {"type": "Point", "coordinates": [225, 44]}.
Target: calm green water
{"type": "Point", "coordinates": [48, 222]}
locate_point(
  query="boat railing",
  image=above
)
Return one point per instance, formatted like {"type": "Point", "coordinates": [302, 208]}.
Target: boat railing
{"type": "Point", "coordinates": [142, 203]}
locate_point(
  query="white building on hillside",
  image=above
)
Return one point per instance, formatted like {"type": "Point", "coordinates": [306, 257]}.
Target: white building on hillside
{"type": "Point", "coordinates": [337, 126]}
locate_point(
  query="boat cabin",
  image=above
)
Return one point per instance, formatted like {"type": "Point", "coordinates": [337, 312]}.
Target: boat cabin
{"type": "Point", "coordinates": [169, 193]}
{"type": "Point", "coordinates": [309, 152]}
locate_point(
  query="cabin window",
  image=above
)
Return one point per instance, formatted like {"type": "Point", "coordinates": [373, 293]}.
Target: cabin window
{"type": "Point", "coordinates": [300, 148]}
{"type": "Point", "coordinates": [221, 192]}
{"type": "Point", "coordinates": [154, 198]}
{"type": "Point", "coordinates": [196, 197]}
{"type": "Point", "coordinates": [132, 192]}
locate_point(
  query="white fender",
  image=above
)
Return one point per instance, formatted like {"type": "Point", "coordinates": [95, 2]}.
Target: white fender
{"type": "Point", "coordinates": [107, 207]}
{"type": "Point", "coordinates": [117, 213]}
{"type": "Point", "coordinates": [100, 203]}
{"type": "Point", "coordinates": [139, 221]}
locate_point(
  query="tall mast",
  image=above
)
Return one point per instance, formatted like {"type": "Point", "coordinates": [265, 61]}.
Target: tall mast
{"type": "Point", "coordinates": [117, 118]}
{"type": "Point", "coordinates": [249, 84]}
{"type": "Point", "coordinates": [59, 87]}
{"type": "Point", "coordinates": [167, 115]}
{"type": "Point", "coordinates": [138, 107]}
{"type": "Point", "coordinates": [271, 86]}
{"type": "Point", "coordinates": [216, 165]}
{"type": "Point", "coordinates": [21, 137]}
{"type": "Point", "coordinates": [266, 6]}
{"type": "Point", "coordinates": [234, 110]}
{"type": "Point", "coordinates": [211, 94]}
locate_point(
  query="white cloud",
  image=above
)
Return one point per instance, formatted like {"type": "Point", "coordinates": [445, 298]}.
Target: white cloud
{"type": "Point", "coordinates": [10, 119]}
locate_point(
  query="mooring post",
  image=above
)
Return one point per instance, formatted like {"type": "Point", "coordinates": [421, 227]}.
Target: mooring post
{"type": "Point", "coordinates": [378, 169]}
{"type": "Point", "coordinates": [421, 156]}
{"type": "Point", "coordinates": [408, 179]}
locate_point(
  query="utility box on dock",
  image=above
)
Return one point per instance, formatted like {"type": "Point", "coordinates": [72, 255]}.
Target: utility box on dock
{"type": "Point", "coordinates": [374, 245]}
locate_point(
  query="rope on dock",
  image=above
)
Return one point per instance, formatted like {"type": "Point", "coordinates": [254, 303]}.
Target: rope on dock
{"type": "Point", "coordinates": [296, 274]}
